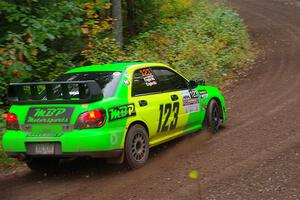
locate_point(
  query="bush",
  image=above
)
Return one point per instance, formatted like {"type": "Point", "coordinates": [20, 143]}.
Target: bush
{"type": "Point", "coordinates": [30, 38]}
{"type": "Point", "coordinates": [204, 42]}
{"type": "Point", "coordinates": [105, 51]}
{"type": "Point", "coordinates": [4, 160]}
{"type": "Point", "coordinates": [145, 15]}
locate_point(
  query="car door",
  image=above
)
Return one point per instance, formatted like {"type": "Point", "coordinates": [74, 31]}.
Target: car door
{"type": "Point", "coordinates": [177, 88]}
{"type": "Point", "coordinates": [146, 95]}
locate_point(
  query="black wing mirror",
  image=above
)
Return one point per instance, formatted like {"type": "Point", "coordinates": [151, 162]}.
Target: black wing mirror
{"type": "Point", "coordinates": [201, 82]}
{"type": "Point", "coordinates": [194, 84]}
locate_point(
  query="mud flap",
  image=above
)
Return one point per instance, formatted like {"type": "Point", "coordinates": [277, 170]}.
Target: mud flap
{"type": "Point", "coordinates": [116, 160]}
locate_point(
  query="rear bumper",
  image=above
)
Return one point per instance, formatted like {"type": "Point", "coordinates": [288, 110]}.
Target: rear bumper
{"type": "Point", "coordinates": [90, 142]}
{"type": "Point", "coordinates": [97, 154]}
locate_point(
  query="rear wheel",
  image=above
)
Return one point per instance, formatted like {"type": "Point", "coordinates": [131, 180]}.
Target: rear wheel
{"type": "Point", "coordinates": [213, 116]}
{"type": "Point", "coordinates": [136, 146]}
{"type": "Point", "coordinates": [43, 165]}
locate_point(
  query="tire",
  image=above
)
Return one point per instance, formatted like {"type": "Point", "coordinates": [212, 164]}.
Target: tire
{"type": "Point", "coordinates": [136, 146]}
{"type": "Point", "coordinates": [43, 165]}
{"type": "Point", "coordinates": [213, 116]}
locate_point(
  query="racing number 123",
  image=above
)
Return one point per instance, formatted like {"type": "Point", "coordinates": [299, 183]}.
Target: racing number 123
{"type": "Point", "coordinates": [166, 110]}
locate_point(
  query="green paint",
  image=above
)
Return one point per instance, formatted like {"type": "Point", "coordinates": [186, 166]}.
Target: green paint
{"type": "Point", "coordinates": [49, 112]}
{"type": "Point", "coordinates": [121, 112]}
{"type": "Point", "coordinates": [48, 121]}
{"type": "Point", "coordinates": [104, 68]}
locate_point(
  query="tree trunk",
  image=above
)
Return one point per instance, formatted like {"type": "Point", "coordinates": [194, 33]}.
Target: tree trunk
{"type": "Point", "coordinates": [117, 21]}
{"type": "Point", "coordinates": [130, 17]}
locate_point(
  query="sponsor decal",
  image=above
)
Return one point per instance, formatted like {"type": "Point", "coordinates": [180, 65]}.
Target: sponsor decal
{"type": "Point", "coordinates": [150, 80]}
{"type": "Point", "coordinates": [194, 94]}
{"type": "Point", "coordinates": [126, 82]}
{"type": "Point", "coordinates": [49, 115]}
{"type": "Point", "coordinates": [190, 101]}
{"type": "Point", "coordinates": [148, 77]}
{"type": "Point", "coordinates": [185, 94]}
{"type": "Point", "coordinates": [44, 134]}
{"type": "Point", "coordinates": [145, 72]}
{"type": "Point", "coordinates": [127, 75]}
{"type": "Point", "coordinates": [74, 93]}
{"type": "Point", "coordinates": [113, 138]}
{"type": "Point", "coordinates": [203, 94]}
{"type": "Point", "coordinates": [120, 112]}
{"type": "Point", "coordinates": [116, 74]}
{"type": "Point", "coordinates": [191, 108]}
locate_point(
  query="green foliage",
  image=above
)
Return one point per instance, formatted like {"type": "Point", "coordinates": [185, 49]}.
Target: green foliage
{"type": "Point", "coordinates": [105, 51]}
{"type": "Point", "coordinates": [33, 33]}
{"type": "Point", "coordinates": [205, 43]}
{"type": "Point", "coordinates": [41, 39]}
{"type": "Point", "coordinates": [49, 68]}
{"type": "Point", "coordinates": [173, 8]}
{"type": "Point", "coordinates": [145, 15]}
{"type": "Point", "coordinates": [4, 160]}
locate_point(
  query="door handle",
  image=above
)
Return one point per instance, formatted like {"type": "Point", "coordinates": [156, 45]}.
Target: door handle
{"type": "Point", "coordinates": [174, 97]}
{"type": "Point", "coordinates": [143, 102]}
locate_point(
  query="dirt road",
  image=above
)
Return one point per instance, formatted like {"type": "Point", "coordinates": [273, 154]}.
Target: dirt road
{"type": "Point", "coordinates": [257, 156]}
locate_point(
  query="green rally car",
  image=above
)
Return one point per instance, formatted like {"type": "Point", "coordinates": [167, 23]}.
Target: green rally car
{"type": "Point", "coordinates": [116, 111]}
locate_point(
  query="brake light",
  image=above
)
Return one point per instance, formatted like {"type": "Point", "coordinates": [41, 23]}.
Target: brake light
{"type": "Point", "coordinates": [12, 122]}
{"type": "Point", "coordinates": [91, 119]}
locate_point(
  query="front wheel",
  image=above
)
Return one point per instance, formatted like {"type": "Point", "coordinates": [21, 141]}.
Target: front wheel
{"type": "Point", "coordinates": [136, 146]}
{"type": "Point", "coordinates": [213, 116]}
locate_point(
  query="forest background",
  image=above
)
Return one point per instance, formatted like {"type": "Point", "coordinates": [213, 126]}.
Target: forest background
{"type": "Point", "coordinates": [40, 40]}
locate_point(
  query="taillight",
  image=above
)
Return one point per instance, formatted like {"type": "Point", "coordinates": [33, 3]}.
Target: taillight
{"type": "Point", "coordinates": [12, 122]}
{"type": "Point", "coordinates": [91, 119]}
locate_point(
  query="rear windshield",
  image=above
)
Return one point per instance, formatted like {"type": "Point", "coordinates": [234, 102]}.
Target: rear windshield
{"type": "Point", "coordinates": [108, 81]}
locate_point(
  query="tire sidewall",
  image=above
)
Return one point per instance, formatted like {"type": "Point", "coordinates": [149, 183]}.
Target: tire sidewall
{"type": "Point", "coordinates": [212, 126]}
{"type": "Point", "coordinates": [131, 161]}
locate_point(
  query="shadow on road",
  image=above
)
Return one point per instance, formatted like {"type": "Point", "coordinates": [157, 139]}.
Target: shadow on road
{"type": "Point", "coordinates": [98, 168]}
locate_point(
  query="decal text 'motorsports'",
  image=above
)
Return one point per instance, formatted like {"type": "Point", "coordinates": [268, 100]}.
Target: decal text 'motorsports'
{"type": "Point", "coordinates": [49, 115]}
{"type": "Point", "coordinates": [120, 112]}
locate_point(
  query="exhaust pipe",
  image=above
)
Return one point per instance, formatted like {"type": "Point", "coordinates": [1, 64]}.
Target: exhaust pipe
{"type": "Point", "coordinates": [21, 156]}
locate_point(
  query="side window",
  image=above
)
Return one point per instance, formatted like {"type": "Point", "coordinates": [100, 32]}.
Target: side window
{"type": "Point", "coordinates": [144, 82]}
{"type": "Point", "coordinates": [169, 80]}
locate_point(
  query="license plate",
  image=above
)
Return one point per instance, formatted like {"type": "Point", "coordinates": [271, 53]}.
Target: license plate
{"type": "Point", "coordinates": [40, 149]}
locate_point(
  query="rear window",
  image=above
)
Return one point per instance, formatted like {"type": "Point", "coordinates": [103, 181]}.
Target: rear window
{"type": "Point", "coordinates": [108, 81]}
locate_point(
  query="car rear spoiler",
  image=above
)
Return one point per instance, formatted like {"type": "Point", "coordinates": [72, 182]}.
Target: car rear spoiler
{"type": "Point", "coordinates": [54, 92]}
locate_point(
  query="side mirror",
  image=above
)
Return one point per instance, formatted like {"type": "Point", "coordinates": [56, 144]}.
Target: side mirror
{"type": "Point", "coordinates": [193, 84]}
{"type": "Point", "coordinates": [201, 82]}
